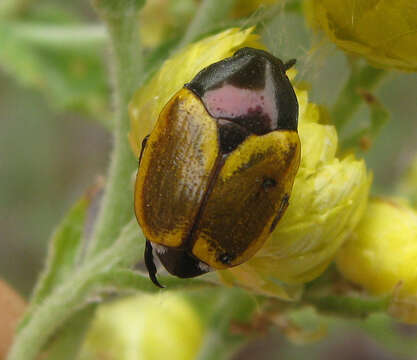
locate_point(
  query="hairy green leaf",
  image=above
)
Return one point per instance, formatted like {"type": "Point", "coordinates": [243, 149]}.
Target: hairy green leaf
{"type": "Point", "coordinates": [124, 279]}
{"type": "Point", "coordinates": [66, 345]}
{"type": "Point", "coordinates": [64, 248]}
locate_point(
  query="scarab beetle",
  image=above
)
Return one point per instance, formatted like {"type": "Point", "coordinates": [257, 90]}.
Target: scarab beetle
{"type": "Point", "coordinates": [216, 173]}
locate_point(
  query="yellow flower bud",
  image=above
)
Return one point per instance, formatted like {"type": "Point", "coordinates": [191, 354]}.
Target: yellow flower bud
{"type": "Point", "coordinates": [382, 31]}
{"type": "Point", "coordinates": [327, 201]}
{"type": "Point", "coordinates": [381, 255]}
{"type": "Point", "coordinates": [146, 327]}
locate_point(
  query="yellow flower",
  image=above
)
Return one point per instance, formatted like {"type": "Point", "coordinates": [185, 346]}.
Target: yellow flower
{"type": "Point", "coordinates": [381, 255]}
{"type": "Point", "coordinates": [327, 202]}
{"type": "Point", "coordinates": [147, 327]}
{"type": "Point", "coordinates": [382, 31]}
{"type": "Point", "coordinates": [329, 193]}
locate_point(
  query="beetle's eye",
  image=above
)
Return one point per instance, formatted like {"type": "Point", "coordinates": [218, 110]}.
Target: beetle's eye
{"type": "Point", "coordinates": [225, 258]}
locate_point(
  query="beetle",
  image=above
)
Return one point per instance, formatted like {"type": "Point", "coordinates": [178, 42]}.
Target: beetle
{"type": "Point", "coordinates": [216, 172]}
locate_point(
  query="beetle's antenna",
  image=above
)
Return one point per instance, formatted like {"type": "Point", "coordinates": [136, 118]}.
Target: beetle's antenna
{"type": "Point", "coordinates": [150, 265]}
{"type": "Point", "coordinates": [289, 64]}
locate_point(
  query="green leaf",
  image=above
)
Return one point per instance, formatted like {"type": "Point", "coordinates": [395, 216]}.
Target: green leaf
{"type": "Point", "coordinates": [127, 280]}
{"type": "Point", "coordinates": [70, 72]}
{"type": "Point", "coordinates": [68, 340]}
{"type": "Point", "coordinates": [74, 293]}
{"type": "Point", "coordinates": [64, 249]}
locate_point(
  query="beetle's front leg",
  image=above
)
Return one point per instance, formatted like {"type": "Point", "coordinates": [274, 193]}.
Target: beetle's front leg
{"type": "Point", "coordinates": [150, 264]}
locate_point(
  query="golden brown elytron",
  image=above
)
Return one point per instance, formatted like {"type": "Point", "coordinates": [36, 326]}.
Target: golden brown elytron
{"type": "Point", "coordinates": [216, 172]}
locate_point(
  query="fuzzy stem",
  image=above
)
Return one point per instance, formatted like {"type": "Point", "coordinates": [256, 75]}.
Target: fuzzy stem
{"type": "Point", "coordinates": [67, 299]}
{"type": "Point", "coordinates": [219, 342]}
{"type": "Point", "coordinates": [117, 204]}
{"type": "Point", "coordinates": [348, 306]}
{"type": "Point", "coordinates": [210, 12]}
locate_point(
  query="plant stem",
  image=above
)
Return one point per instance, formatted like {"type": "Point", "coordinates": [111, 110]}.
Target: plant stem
{"type": "Point", "coordinates": [362, 139]}
{"type": "Point", "coordinates": [349, 100]}
{"type": "Point", "coordinates": [349, 306]}
{"type": "Point", "coordinates": [117, 204]}
{"type": "Point", "coordinates": [219, 343]}
{"type": "Point", "coordinates": [73, 294]}
{"type": "Point", "coordinates": [210, 12]}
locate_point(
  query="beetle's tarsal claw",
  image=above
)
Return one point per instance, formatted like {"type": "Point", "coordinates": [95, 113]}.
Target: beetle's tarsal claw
{"type": "Point", "coordinates": [150, 265]}
{"type": "Point", "coordinates": [155, 280]}
{"type": "Point", "coordinates": [289, 64]}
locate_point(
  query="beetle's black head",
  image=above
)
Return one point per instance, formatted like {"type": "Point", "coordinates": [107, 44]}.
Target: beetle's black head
{"type": "Point", "coordinates": [251, 90]}
{"type": "Point", "coordinates": [178, 262]}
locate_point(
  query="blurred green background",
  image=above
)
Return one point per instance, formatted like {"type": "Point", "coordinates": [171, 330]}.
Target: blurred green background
{"type": "Point", "coordinates": [52, 149]}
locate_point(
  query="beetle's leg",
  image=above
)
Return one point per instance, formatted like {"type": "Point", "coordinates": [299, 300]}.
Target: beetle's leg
{"type": "Point", "coordinates": [150, 265]}
{"type": "Point", "coordinates": [289, 64]}
{"type": "Point", "coordinates": [144, 141]}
